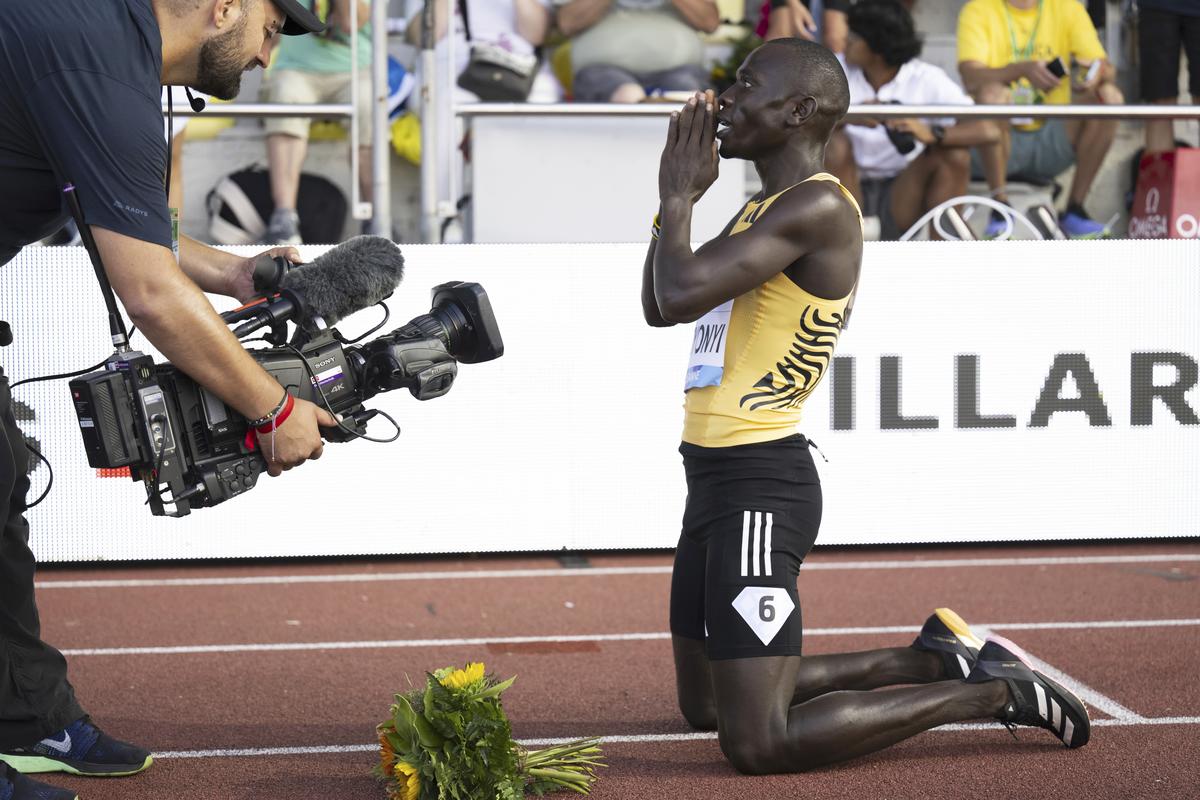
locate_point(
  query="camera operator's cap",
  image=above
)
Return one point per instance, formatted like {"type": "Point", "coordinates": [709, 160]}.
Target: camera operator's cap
{"type": "Point", "coordinates": [300, 18]}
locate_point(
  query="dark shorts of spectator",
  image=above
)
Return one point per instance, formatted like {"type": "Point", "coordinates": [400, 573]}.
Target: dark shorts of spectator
{"type": "Point", "coordinates": [877, 202]}
{"type": "Point", "coordinates": [1038, 156]}
{"type": "Point", "coordinates": [596, 83]}
{"type": "Point", "coordinates": [1161, 35]}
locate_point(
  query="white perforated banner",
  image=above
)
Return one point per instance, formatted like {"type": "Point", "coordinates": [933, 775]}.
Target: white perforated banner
{"type": "Point", "coordinates": [984, 392]}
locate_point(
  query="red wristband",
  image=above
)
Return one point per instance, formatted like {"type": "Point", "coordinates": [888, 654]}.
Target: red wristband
{"type": "Point", "coordinates": [279, 418]}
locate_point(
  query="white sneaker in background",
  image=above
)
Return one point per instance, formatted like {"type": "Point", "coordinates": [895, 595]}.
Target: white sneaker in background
{"type": "Point", "coordinates": [871, 229]}
{"type": "Point", "coordinates": [284, 228]}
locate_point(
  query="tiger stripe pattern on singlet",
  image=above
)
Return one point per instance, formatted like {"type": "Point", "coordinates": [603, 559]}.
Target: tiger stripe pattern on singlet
{"type": "Point", "coordinates": [797, 375]}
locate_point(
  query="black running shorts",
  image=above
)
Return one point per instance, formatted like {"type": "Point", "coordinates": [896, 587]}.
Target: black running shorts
{"type": "Point", "coordinates": [1161, 35]}
{"type": "Point", "coordinates": [752, 515]}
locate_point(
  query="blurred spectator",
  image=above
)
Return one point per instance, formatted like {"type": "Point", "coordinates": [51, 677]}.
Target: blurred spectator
{"type": "Point", "coordinates": [516, 26]}
{"type": "Point", "coordinates": [792, 18]}
{"type": "Point", "coordinates": [901, 168]}
{"type": "Point", "coordinates": [623, 50]}
{"type": "Point", "coordinates": [315, 69]}
{"type": "Point", "coordinates": [1041, 51]}
{"type": "Point", "coordinates": [1164, 28]}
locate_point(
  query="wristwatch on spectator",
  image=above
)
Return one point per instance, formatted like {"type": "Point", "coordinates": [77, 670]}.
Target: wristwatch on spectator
{"type": "Point", "coordinates": [938, 132]}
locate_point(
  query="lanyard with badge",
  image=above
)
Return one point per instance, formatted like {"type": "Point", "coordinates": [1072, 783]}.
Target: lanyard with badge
{"type": "Point", "coordinates": [1023, 93]}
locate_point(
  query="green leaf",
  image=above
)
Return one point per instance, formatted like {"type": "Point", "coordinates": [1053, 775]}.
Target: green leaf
{"type": "Point", "coordinates": [495, 691]}
{"type": "Point", "coordinates": [404, 717]}
{"type": "Point", "coordinates": [429, 737]}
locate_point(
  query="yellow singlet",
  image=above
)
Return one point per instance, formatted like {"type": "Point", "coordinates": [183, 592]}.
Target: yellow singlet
{"type": "Point", "coordinates": [778, 345]}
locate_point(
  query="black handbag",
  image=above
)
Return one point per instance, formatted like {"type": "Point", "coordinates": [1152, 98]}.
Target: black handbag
{"type": "Point", "coordinates": [492, 73]}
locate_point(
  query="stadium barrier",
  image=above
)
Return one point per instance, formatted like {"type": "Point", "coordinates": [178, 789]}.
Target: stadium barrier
{"type": "Point", "coordinates": [983, 392]}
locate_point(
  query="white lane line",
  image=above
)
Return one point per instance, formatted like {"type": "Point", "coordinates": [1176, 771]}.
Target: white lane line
{"type": "Point", "coordinates": [1087, 694]}
{"type": "Point", "coordinates": [635, 739]}
{"type": "Point", "coordinates": [597, 572]}
{"type": "Point", "coordinates": [1091, 697]}
{"type": "Point", "coordinates": [366, 645]}
{"type": "Point", "coordinates": [597, 637]}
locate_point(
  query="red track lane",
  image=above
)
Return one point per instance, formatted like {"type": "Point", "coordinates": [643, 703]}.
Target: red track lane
{"type": "Point", "coordinates": [323, 698]}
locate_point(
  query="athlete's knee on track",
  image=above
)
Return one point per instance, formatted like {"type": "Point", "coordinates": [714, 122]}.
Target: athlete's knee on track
{"type": "Point", "coordinates": [700, 714]}
{"type": "Point", "coordinates": [759, 753]}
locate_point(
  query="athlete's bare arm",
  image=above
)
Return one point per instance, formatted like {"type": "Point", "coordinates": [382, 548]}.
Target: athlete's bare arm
{"type": "Point", "coordinates": [650, 310]}
{"type": "Point", "coordinates": [810, 231]}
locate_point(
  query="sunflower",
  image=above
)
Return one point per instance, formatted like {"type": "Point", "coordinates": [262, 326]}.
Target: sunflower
{"type": "Point", "coordinates": [410, 781]}
{"type": "Point", "coordinates": [461, 678]}
{"type": "Point", "coordinates": [387, 754]}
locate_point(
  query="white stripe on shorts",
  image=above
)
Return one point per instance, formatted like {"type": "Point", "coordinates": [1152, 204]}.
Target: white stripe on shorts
{"type": "Point", "coordinates": [767, 544]}
{"type": "Point", "coordinates": [745, 540]}
{"type": "Point", "coordinates": [754, 558]}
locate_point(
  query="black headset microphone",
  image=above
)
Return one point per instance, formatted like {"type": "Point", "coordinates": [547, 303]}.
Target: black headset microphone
{"type": "Point", "coordinates": [356, 274]}
{"type": "Point", "coordinates": [197, 103]}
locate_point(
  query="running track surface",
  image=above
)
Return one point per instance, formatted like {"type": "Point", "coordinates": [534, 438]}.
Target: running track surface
{"type": "Point", "coordinates": [265, 680]}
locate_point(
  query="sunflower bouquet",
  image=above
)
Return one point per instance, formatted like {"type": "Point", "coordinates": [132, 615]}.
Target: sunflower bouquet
{"type": "Point", "coordinates": [450, 740]}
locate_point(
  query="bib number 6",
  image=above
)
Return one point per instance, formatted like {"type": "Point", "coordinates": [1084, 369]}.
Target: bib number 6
{"type": "Point", "coordinates": [766, 609]}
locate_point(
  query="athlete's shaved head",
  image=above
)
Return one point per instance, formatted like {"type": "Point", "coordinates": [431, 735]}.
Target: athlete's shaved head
{"type": "Point", "coordinates": [789, 93]}
{"type": "Point", "coordinates": [812, 69]}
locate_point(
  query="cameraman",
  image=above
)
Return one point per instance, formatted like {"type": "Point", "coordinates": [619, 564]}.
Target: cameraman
{"type": "Point", "coordinates": [80, 84]}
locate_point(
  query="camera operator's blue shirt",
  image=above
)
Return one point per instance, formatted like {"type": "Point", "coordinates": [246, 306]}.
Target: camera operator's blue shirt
{"type": "Point", "coordinates": [80, 88]}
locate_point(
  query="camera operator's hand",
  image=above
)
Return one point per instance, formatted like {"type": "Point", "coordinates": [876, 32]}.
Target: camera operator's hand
{"type": "Point", "coordinates": [241, 272]}
{"type": "Point", "coordinates": [297, 440]}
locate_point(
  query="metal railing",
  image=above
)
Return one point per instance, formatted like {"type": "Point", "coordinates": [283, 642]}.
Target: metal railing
{"type": "Point", "coordinates": [438, 89]}
{"type": "Point", "coordinates": [856, 112]}
{"type": "Point", "coordinates": [215, 110]}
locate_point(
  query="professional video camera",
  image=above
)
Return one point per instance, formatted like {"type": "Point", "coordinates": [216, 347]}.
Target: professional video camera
{"type": "Point", "coordinates": [192, 450]}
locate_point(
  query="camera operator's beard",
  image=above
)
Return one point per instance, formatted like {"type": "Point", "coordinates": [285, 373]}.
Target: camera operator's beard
{"type": "Point", "coordinates": [220, 73]}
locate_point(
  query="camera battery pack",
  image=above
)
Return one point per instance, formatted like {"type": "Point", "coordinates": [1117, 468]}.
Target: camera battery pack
{"type": "Point", "coordinates": [103, 405]}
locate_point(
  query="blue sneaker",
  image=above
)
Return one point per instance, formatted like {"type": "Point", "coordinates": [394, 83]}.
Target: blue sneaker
{"type": "Point", "coordinates": [1079, 227]}
{"type": "Point", "coordinates": [81, 749]}
{"type": "Point", "coordinates": [16, 786]}
{"type": "Point", "coordinates": [995, 227]}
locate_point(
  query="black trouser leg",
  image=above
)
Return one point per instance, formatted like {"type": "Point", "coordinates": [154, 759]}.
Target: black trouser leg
{"type": "Point", "coordinates": [35, 698]}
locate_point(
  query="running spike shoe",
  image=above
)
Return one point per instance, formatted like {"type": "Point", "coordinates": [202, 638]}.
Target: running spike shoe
{"type": "Point", "coordinates": [946, 634]}
{"type": "Point", "coordinates": [1034, 699]}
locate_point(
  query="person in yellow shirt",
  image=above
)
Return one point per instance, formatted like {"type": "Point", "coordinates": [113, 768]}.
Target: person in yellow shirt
{"type": "Point", "coordinates": [770, 296]}
{"type": "Point", "coordinates": [1029, 52]}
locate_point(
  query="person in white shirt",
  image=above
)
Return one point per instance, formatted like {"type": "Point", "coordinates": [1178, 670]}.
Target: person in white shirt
{"type": "Point", "coordinates": [901, 168]}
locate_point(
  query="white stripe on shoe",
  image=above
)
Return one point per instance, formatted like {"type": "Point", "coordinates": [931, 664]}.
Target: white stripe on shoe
{"type": "Point", "coordinates": [1041, 698]}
